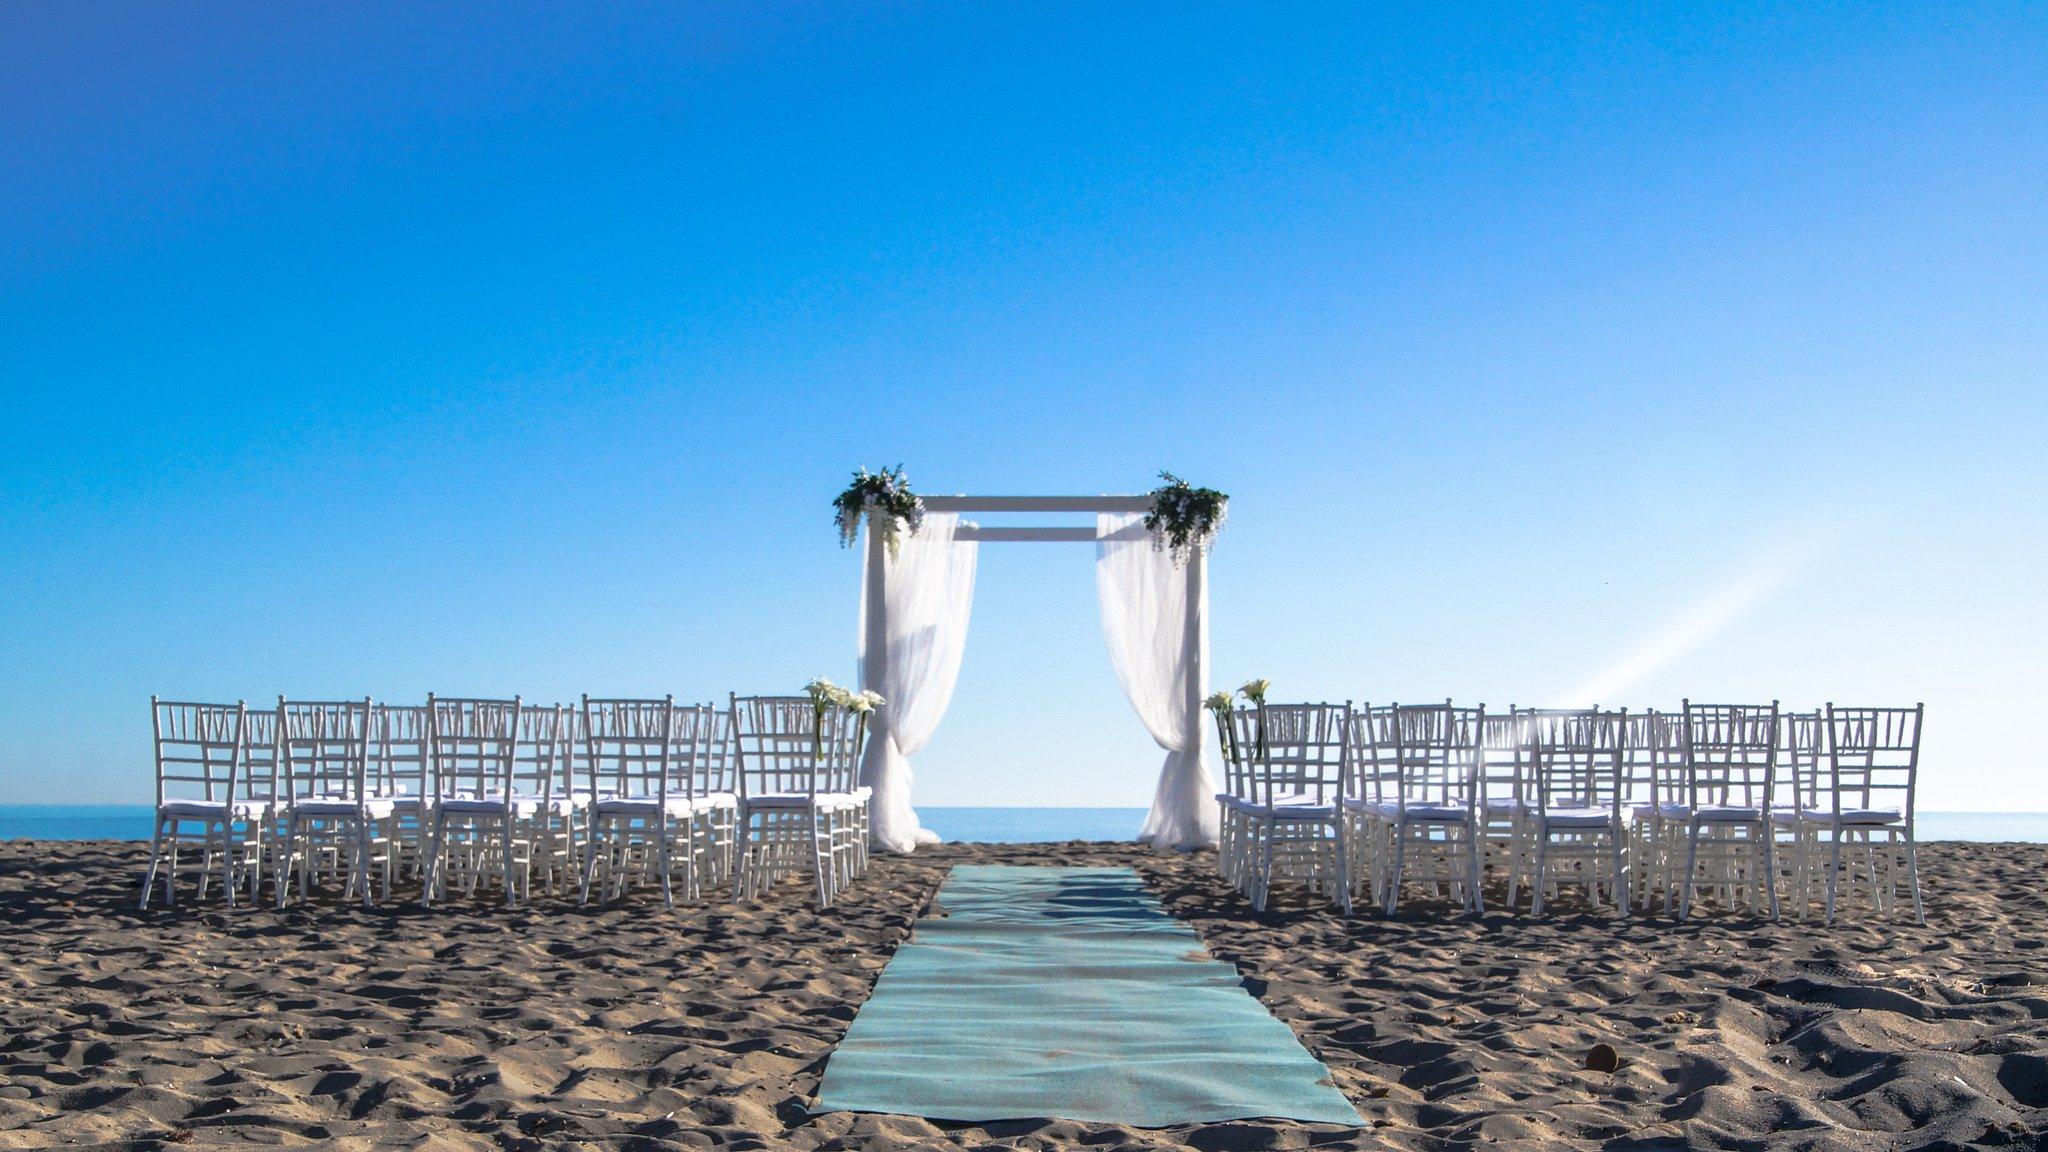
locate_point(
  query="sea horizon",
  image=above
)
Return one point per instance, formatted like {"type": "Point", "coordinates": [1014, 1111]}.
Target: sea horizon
{"type": "Point", "coordinates": [979, 824]}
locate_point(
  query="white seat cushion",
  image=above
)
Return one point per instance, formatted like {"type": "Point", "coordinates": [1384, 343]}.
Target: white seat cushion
{"type": "Point", "coordinates": [1295, 806]}
{"type": "Point", "coordinates": [1507, 805]}
{"type": "Point", "coordinates": [1420, 813]}
{"type": "Point", "coordinates": [375, 808]}
{"type": "Point", "coordinates": [1576, 817]}
{"type": "Point", "coordinates": [676, 806]}
{"type": "Point", "coordinates": [553, 805]}
{"type": "Point", "coordinates": [1713, 813]}
{"type": "Point", "coordinates": [212, 809]}
{"type": "Point", "coordinates": [726, 800]}
{"type": "Point", "coordinates": [1289, 806]}
{"type": "Point", "coordinates": [824, 801]}
{"type": "Point", "coordinates": [489, 805]}
{"type": "Point", "coordinates": [1860, 816]}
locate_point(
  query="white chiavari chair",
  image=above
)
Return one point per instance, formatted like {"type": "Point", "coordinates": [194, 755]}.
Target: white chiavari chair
{"type": "Point", "coordinates": [1871, 769]}
{"type": "Point", "coordinates": [1653, 772]}
{"type": "Point", "coordinates": [1505, 790]}
{"type": "Point", "coordinates": [1373, 779]}
{"type": "Point", "coordinates": [261, 804]}
{"type": "Point", "coordinates": [400, 770]}
{"type": "Point", "coordinates": [848, 822]}
{"type": "Point", "coordinates": [1731, 757]}
{"type": "Point", "coordinates": [1429, 821]}
{"type": "Point", "coordinates": [716, 792]}
{"type": "Point", "coordinates": [333, 820]}
{"type": "Point", "coordinates": [546, 803]}
{"type": "Point", "coordinates": [1796, 790]}
{"type": "Point", "coordinates": [1293, 820]}
{"type": "Point", "coordinates": [1574, 762]}
{"type": "Point", "coordinates": [647, 816]}
{"type": "Point", "coordinates": [797, 809]}
{"type": "Point", "coordinates": [199, 750]}
{"type": "Point", "coordinates": [1232, 800]}
{"type": "Point", "coordinates": [476, 827]}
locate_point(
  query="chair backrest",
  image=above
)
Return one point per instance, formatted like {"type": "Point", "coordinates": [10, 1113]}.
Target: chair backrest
{"type": "Point", "coordinates": [1873, 757]}
{"type": "Point", "coordinates": [1653, 757]}
{"type": "Point", "coordinates": [472, 746]}
{"type": "Point", "coordinates": [787, 744]}
{"type": "Point", "coordinates": [1575, 758]}
{"type": "Point", "coordinates": [540, 754]}
{"type": "Point", "coordinates": [1504, 757]}
{"type": "Point", "coordinates": [629, 746]}
{"type": "Point", "coordinates": [323, 748]}
{"type": "Point", "coordinates": [1297, 751]}
{"type": "Point", "coordinates": [721, 768]}
{"type": "Point", "coordinates": [1436, 751]}
{"type": "Point", "coordinates": [1375, 762]}
{"type": "Point", "coordinates": [199, 749]}
{"type": "Point", "coordinates": [703, 749]}
{"type": "Point", "coordinates": [400, 752]}
{"type": "Point", "coordinates": [1801, 736]}
{"type": "Point", "coordinates": [260, 735]}
{"type": "Point", "coordinates": [1731, 754]}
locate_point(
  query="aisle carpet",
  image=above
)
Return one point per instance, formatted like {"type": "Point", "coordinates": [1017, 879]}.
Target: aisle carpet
{"type": "Point", "coordinates": [1068, 992]}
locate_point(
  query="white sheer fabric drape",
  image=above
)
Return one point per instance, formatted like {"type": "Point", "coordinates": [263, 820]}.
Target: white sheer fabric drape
{"type": "Point", "coordinates": [1159, 643]}
{"type": "Point", "coordinates": [913, 660]}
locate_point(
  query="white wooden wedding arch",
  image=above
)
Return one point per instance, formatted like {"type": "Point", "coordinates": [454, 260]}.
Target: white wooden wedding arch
{"type": "Point", "coordinates": [1135, 579]}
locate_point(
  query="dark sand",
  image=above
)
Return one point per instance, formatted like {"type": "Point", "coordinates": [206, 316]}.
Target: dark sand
{"type": "Point", "coordinates": [474, 1027]}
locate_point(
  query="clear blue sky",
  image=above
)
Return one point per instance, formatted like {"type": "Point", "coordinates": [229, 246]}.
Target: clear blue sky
{"type": "Point", "coordinates": [1545, 352]}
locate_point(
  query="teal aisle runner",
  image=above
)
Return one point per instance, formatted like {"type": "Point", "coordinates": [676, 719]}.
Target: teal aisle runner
{"type": "Point", "coordinates": [1068, 992]}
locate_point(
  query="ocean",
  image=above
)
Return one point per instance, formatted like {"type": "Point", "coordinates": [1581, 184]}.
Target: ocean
{"type": "Point", "coordinates": [987, 825]}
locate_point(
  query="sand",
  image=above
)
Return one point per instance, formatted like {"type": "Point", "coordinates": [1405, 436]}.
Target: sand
{"type": "Point", "coordinates": [707, 1027]}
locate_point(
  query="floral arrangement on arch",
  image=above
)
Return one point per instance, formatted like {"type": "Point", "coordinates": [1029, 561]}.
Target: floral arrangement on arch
{"type": "Point", "coordinates": [1184, 519]}
{"type": "Point", "coordinates": [890, 505]}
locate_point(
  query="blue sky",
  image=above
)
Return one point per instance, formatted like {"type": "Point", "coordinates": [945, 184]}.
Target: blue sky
{"type": "Point", "coordinates": [482, 349]}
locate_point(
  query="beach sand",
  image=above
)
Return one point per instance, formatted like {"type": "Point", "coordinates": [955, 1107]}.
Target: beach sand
{"type": "Point", "coordinates": [477, 1027]}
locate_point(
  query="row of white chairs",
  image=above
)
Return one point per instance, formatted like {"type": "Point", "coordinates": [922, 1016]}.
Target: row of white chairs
{"type": "Point", "coordinates": [459, 794]}
{"type": "Point", "coordinates": [1734, 800]}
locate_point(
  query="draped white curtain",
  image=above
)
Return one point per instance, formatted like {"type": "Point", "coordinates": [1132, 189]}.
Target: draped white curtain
{"type": "Point", "coordinates": [1155, 615]}
{"type": "Point", "coordinates": [913, 630]}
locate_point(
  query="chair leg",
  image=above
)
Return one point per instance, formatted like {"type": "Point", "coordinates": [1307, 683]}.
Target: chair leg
{"type": "Point", "coordinates": [1692, 855]}
{"type": "Point", "coordinates": [1394, 869]}
{"type": "Point", "coordinates": [1475, 898]}
{"type": "Point", "coordinates": [156, 854]}
{"type": "Point", "coordinates": [743, 866]}
{"type": "Point", "coordinates": [1770, 871]}
{"type": "Point", "coordinates": [1913, 877]}
{"type": "Point", "coordinates": [1834, 873]}
{"type": "Point", "coordinates": [505, 869]}
{"type": "Point", "coordinates": [821, 863]}
{"type": "Point", "coordinates": [1342, 864]}
{"type": "Point", "coordinates": [589, 862]}
{"type": "Point", "coordinates": [430, 869]}
{"type": "Point", "coordinates": [258, 846]}
{"type": "Point", "coordinates": [1618, 878]}
{"type": "Point", "coordinates": [665, 846]}
{"type": "Point", "coordinates": [1514, 868]}
{"type": "Point", "coordinates": [1541, 877]}
{"type": "Point", "coordinates": [231, 847]}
